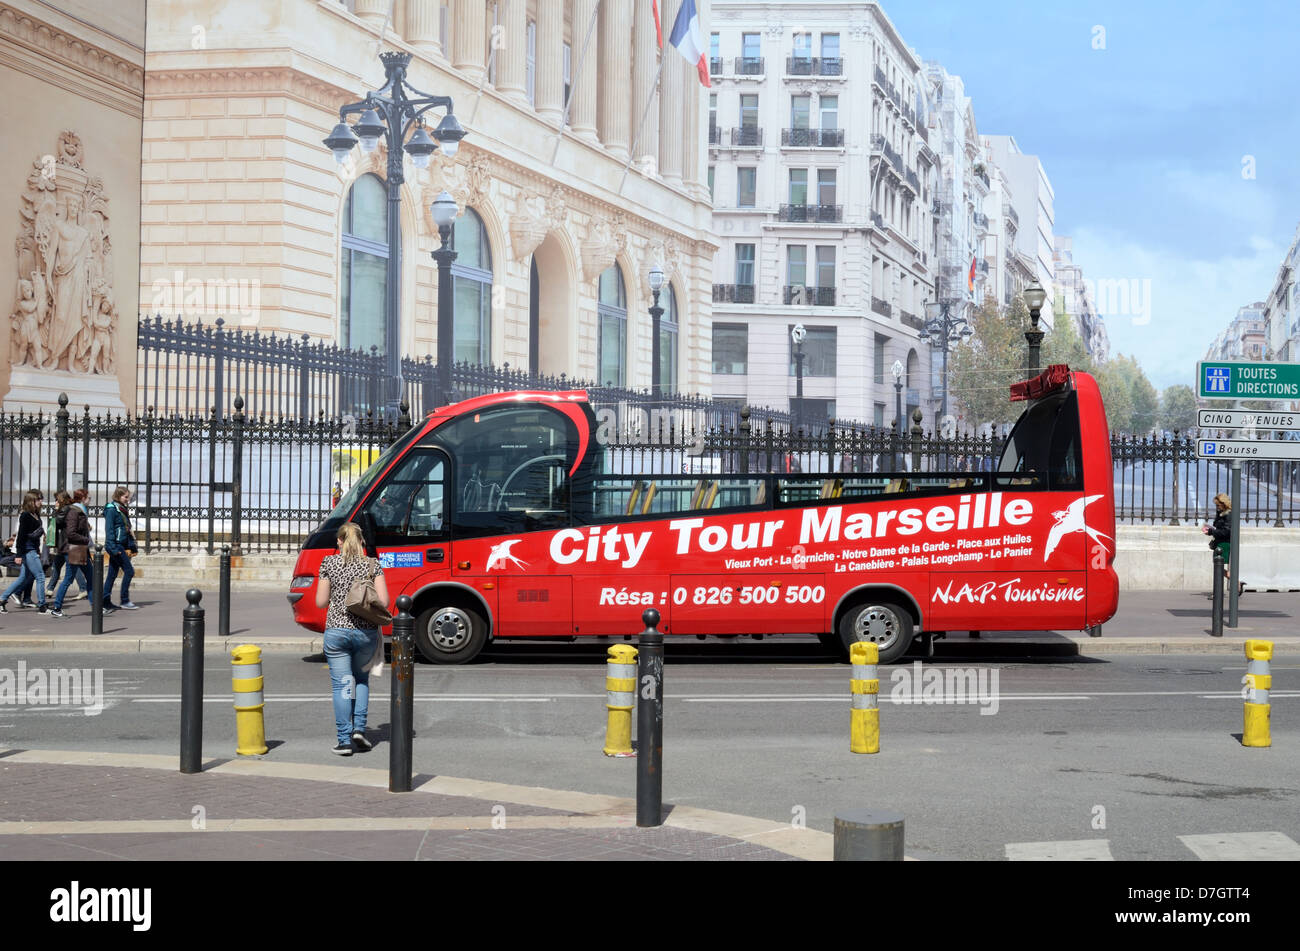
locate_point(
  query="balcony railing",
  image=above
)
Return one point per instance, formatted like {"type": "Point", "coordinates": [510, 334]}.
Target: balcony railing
{"type": "Point", "coordinates": [981, 221]}
{"type": "Point", "coordinates": [748, 65]}
{"type": "Point", "coordinates": [913, 181]}
{"type": "Point", "coordinates": [733, 293]}
{"type": "Point", "coordinates": [984, 267]}
{"type": "Point", "coordinates": [715, 135]}
{"type": "Point", "coordinates": [747, 137]}
{"type": "Point", "coordinates": [983, 177]}
{"type": "Point", "coordinates": [800, 294]}
{"type": "Point", "coordinates": [878, 220]}
{"type": "Point", "coordinates": [830, 66]}
{"type": "Point", "coordinates": [911, 320]}
{"type": "Point", "coordinates": [890, 91]}
{"type": "Point", "coordinates": [881, 307]}
{"type": "Point", "coordinates": [1010, 214]}
{"type": "Point", "coordinates": [816, 138]}
{"type": "Point", "coordinates": [810, 212]}
{"type": "Point", "coordinates": [813, 66]}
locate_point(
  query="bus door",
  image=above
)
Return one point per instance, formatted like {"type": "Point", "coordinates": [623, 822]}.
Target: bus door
{"type": "Point", "coordinates": [406, 519]}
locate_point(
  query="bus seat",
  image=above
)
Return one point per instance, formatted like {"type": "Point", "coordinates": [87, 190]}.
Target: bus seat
{"type": "Point", "coordinates": [896, 485]}
{"type": "Point", "coordinates": [710, 496]}
{"type": "Point", "coordinates": [760, 496]}
{"type": "Point", "coordinates": [697, 494]}
{"type": "Point", "coordinates": [960, 484]}
{"type": "Point", "coordinates": [832, 488]}
{"type": "Point", "coordinates": [634, 497]}
{"type": "Point", "coordinates": [649, 497]}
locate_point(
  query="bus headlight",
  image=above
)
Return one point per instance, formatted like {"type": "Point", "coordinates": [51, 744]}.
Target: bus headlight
{"type": "Point", "coordinates": [302, 581]}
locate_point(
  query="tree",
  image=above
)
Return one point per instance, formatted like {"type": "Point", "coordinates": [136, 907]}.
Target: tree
{"type": "Point", "coordinates": [1115, 396]}
{"type": "Point", "coordinates": [1064, 345]}
{"type": "Point", "coordinates": [980, 372]}
{"type": "Point", "coordinates": [1178, 408]}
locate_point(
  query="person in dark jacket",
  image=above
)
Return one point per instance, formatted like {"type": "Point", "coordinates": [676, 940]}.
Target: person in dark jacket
{"type": "Point", "coordinates": [1221, 535]}
{"type": "Point", "coordinates": [119, 542]}
{"type": "Point", "coordinates": [75, 548]}
{"type": "Point", "coordinates": [25, 592]}
{"type": "Point", "coordinates": [30, 538]}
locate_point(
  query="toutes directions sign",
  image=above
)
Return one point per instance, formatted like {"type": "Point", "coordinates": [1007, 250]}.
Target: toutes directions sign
{"type": "Point", "coordinates": [1249, 381]}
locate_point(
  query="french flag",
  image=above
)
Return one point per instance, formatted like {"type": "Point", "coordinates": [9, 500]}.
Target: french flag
{"type": "Point", "coordinates": [689, 38]}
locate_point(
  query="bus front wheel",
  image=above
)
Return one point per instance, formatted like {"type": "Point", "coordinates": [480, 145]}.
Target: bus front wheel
{"type": "Point", "coordinates": [883, 623]}
{"type": "Point", "coordinates": [450, 633]}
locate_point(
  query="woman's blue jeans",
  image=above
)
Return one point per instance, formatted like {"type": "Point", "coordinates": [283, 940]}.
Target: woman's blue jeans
{"type": "Point", "coordinates": [31, 572]}
{"type": "Point", "coordinates": [80, 572]}
{"type": "Point", "coordinates": [120, 561]}
{"type": "Point", "coordinates": [347, 650]}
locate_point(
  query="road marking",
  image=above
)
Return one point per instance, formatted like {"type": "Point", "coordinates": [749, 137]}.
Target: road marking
{"type": "Point", "coordinates": [1076, 850]}
{"type": "Point", "coordinates": [373, 696]}
{"type": "Point", "coordinates": [1242, 847]}
{"type": "Point", "coordinates": [329, 824]}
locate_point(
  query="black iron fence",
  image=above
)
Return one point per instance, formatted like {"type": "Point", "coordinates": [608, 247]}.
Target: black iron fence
{"type": "Point", "coordinates": [261, 482]}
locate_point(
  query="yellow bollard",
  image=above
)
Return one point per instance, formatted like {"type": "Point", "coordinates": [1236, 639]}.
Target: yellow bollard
{"type": "Point", "coordinates": [250, 730]}
{"type": "Point", "coordinates": [864, 728]}
{"type": "Point", "coordinates": [620, 696]}
{"type": "Point", "coordinates": [1258, 682]}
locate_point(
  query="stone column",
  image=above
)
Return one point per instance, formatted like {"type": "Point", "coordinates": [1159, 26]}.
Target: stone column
{"type": "Point", "coordinates": [670, 102]}
{"type": "Point", "coordinates": [615, 73]}
{"type": "Point", "coordinates": [549, 78]}
{"type": "Point", "coordinates": [422, 27]}
{"type": "Point", "coordinates": [373, 12]}
{"type": "Point", "coordinates": [512, 57]}
{"type": "Point", "coordinates": [469, 37]}
{"type": "Point", "coordinates": [582, 113]}
{"type": "Point", "coordinates": [691, 89]}
{"type": "Point", "coordinates": [645, 63]}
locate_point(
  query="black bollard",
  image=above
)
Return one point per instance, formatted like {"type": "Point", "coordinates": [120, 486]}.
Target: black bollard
{"type": "Point", "coordinates": [402, 694]}
{"type": "Point", "coordinates": [97, 591]}
{"type": "Point", "coordinates": [1216, 612]}
{"type": "Point", "coordinates": [192, 683]}
{"type": "Point", "coordinates": [650, 723]}
{"type": "Point", "coordinates": [223, 596]}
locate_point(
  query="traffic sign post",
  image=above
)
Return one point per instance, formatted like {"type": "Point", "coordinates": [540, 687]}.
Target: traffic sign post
{"type": "Point", "coordinates": [1254, 450]}
{"type": "Point", "coordinates": [1235, 380]}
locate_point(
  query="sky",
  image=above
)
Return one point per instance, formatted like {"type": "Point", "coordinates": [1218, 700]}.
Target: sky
{"type": "Point", "coordinates": [1173, 150]}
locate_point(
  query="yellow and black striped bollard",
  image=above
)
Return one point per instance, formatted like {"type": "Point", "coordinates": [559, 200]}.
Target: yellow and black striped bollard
{"type": "Point", "coordinates": [1258, 681]}
{"type": "Point", "coordinates": [864, 729]}
{"type": "Point", "coordinates": [250, 729]}
{"type": "Point", "coordinates": [620, 697]}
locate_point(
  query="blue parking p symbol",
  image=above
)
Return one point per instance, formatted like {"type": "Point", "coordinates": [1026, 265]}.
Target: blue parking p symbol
{"type": "Point", "coordinates": [1216, 379]}
{"type": "Point", "coordinates": [1207, 448]}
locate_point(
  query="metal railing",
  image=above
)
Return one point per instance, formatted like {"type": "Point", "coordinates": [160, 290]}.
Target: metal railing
{"type": "Point", "coordinates": [802, 294]}
{"type": "Point", "coordinates": [733, 293]}
{"type": "Point", "coordinates": [816, 138]}
{"type": "Point", "coordinates": [748, 65]}
{"type": "Point", "coordinates": [881, 307]}
{"type": "Point", "coordinates": [795, 212]}
{"type": "Point", "coordinates": [747, 137]}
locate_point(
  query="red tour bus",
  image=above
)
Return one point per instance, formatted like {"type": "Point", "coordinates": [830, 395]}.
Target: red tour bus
{"type": "Point", "coordinates": [500, 519]}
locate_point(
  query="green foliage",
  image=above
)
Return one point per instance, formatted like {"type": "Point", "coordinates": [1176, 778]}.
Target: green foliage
{"type": "Point", "coordinates": [1064, 345]}
{"type": "Point", "coordinates": [1178, 408]}
{"type": "Point", "coordinates": [980, 372]}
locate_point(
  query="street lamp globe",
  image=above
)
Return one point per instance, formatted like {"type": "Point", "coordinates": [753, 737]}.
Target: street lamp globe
{"type": "Point", "coordinates": [656, 277]}
{"type": "Point", "coordinates": [449, 133]}
{"type": "Point", "coordinates": [369, 128]}
{"type": "Point", "coordinates": [798, 333]}
{"type": "Point", "coordinates": [897, 370]}
{"type": "Point", "coordinates": [341, 141]}
{"type": "Point", "coordinates": [444, 210]}
{"type": "Point", "coordinates": [421, 148]}
{"type": "Point", "coordinates": [1035, 296]}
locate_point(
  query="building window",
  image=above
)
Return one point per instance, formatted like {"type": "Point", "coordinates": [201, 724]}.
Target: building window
{"type": "Point", "coordinates": [711, 183]}
{"type": "Point", "coordinates": [796, 266]}
{"type": "Point", "coordinates": [830, 46]}
{"type": "Point", "coordinates": [799, 111]}
{"type": "Point", "coordinates": [568, 76]}
{"type": "Point", "coordinates": [798, 186]}
{"type": "Point", "coordinates": [803, 46]}
{"type": "Point", "coordinates": [825, 265]}
{"type": "Point", "coordinates": [365, 260]}
{"type": "Point", "coordinates": [751, 47]}
{"type": "Point", "coordinates": [749, 112]}
{"type": "Point", "coordinates": [731, 349]}
{"type": "Point", "coordinates": [818, 351]}
{"type": "Point", "coordinates": [611, 310]}
{"type": "Point", "coordinates": [491, 50]}
{"type": "Point", "coordinates": [471, 275]}
{"type": "Point", "coordinates": [746, 184]}
{"type": "Point", "coordinates": [825, 186]}
{"type": "Point", "coordinates": [530, 80]}
{"type": "Point", "coordinates": [668, 337]}
{"type": "Point", "coordinates": [878, 415]}
{"type": "Point", "coordinates": [878, 357]}
{"type": "Point", "coordinates": [830, 111]}
{"type": "Point", "coordinates": [745, 265]}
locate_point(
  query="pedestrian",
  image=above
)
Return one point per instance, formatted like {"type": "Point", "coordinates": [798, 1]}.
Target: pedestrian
{"type": "Point", "coordinates": [58, 523]}
{"type": "Point", "coordinates": [30, 538]}
{"type": "Point", "coordinates": [25, 592]}
{"type": "Point", "coordinates": [350, 641]}
{"type": "Point", "coordinates": [120, 545]}
{"type": "Point", "coordinates": [1221, 536]}
{"type": "Point", "coordinates": [75, 549]}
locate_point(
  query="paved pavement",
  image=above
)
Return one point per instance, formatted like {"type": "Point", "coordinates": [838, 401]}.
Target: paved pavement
{"type": "Point", "coordinates": [1150, 622]}
{"type": "Point", "coordinates": [66, 806]}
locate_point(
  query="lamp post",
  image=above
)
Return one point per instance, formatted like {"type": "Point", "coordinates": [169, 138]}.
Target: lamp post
{"type": "Point", "coordinates": [897, 371]}
{"type": "Point", "coordinates": [444, 213]}
{"type": "Point", "coordinates": [1034, 298]}
{"type": "Point", "coordinates": [941, 330]}
{"type": "Point", "coordinates": [656, 279]}
{"type": "Point", "coordinates": [797, 335]}
{"type": "Point", "coordinates": [391, 113]}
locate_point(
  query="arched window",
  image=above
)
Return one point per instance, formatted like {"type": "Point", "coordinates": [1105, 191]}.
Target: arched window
{"type": "Point", "coordinates": [611, 310]}
{"type": "Point", "coordinates": [365, 260]}
{"type": "Point", "coordinates": [668, 336]}
{"type": "Point", "coordinates": [471, 275]}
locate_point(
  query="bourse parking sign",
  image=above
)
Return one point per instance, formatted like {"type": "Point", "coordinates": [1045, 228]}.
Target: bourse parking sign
{"type": "Point", "coordinates": [1217, 379]}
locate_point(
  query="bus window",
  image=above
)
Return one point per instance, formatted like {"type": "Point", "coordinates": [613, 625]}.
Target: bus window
{"type": "Point", "coordinates": [1044, 448]}
{"type": "Point", "coordinates": [512, 469]}
{"type": "Point", "coordinates": [407, 509]}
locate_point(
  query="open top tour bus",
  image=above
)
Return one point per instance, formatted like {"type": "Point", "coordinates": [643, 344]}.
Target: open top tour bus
{"type": "Point", "coordinates": [496, 515]}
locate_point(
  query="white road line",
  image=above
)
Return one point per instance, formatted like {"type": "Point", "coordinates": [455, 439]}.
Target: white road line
{"type": "Point", "coordinates": [1077, 850]}
{"type": "Point", "coordinates": [1243, 847]}
{"type": "Point", "coordinates": [375, 697]}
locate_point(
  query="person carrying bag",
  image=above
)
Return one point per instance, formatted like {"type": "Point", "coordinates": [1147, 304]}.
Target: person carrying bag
{"type": "Point", "coordinates": [120, 544]}
{"type": "Point", "coordinates": [75, 549]}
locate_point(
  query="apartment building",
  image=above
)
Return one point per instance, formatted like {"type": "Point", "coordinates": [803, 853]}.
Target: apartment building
{"type": "Point", "coordinates": [1282, 307]}
{"type": "Point", "coordinates": [1031, 207]}
{"type": "Point", "coordinates": [1073, 296]}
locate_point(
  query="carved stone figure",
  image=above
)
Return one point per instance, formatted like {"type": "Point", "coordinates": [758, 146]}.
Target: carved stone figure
{"type": "Point", "coordinates": [64, 318]}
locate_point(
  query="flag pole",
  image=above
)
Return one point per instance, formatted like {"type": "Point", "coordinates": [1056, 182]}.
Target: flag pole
{"type": "Point", "coordinates": [582, 56]}
{"type": "Point", "coordinates": [645, 114]}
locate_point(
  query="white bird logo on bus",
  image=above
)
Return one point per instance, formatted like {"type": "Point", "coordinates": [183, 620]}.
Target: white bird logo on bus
{"type": "Point", "coordinates": [500, 554]}
{"type": "Point", "coordinates": [1070, 520]}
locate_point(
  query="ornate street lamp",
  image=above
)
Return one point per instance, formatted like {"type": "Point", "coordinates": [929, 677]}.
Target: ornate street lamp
{"type": "Point", "coordinates": [942, 330]}
{"type": "Point", "coordinates": [797, 335]}
{"type": "Point", "coordinates": [656, 278]}
{"type": "Point", "coordinates": [897, 371]}
{"type": "Point", "coordinates": [1034, 298]}
{"type": "Point", "coordinates": [444, 215]}
{"type": "Point", "coordinates": [391, 113]}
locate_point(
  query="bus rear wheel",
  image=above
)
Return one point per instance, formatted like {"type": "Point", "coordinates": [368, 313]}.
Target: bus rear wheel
{"type": "Point", "coordinates": [883, 623]}
{"type": "Point", "coordinates": [450, 633]}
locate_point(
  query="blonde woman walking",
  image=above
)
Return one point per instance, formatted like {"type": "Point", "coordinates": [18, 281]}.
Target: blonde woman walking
{"type": "Point", "coordinates": [350, 641]}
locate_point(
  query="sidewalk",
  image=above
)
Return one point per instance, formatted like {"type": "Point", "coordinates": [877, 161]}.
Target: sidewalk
{"type": "Point", "coordinates": [1154, 622]}
{"type": "Point", "coordinates": [63, 805]}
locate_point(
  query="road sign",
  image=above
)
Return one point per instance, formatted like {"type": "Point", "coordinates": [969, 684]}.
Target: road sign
{"type": "Point", "coordinates": [1245, 419]}
{"type": "Point", "coordinates": [1227, 380]}
{"type": "Point", "coordinates": [1251, 450]}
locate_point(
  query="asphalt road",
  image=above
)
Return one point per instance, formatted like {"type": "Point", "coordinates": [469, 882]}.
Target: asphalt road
{"type": "Point", "coordinates": [1143, 744]}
